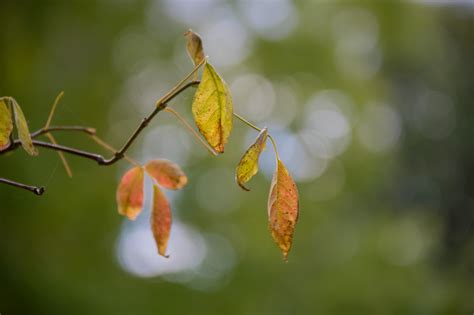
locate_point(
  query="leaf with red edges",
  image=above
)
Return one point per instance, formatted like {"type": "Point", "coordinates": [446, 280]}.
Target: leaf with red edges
{"type": "Point", "coordinates": [130, 193]}
{"type": "Point", "coordinates": [160, 220]}
{"type": "Point", "coordinates": [282, 208]}
{"type": "Point", "coordinates": [166, 174]}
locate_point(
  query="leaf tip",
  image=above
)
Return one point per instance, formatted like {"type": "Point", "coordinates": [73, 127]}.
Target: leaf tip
{"type": "Point", "coordinates": [162, 251]}
{"type": "Point", "coordinates": [241, 185]}
{"type": "Point", "coordinates": [130, 213]}
{"type": "Point", "coordinates": [166, 173]}
{"type": "Point", "coordinates": [181, 182]}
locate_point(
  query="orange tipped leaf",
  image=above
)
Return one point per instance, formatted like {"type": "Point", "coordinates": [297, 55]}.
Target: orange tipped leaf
{"type": "Point", "coordinates": [282, 208]}
{"type": "Point", "coordinates": [130, 193]}
{"type": "Point", "coordinates": [160, 220]}
{"type": "Point", "coordinates": [166, 174]}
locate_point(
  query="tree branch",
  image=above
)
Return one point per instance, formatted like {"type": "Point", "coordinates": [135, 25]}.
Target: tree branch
{"type": "Point", "coordinates": [160, 105]}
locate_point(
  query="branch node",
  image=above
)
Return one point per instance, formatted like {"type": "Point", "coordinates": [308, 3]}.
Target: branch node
{"type": "Point", "coordinates": [38, 190]}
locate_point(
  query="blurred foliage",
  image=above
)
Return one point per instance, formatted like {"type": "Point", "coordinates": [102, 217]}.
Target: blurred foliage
{"type": "Point", "coordinates": [385, 227]}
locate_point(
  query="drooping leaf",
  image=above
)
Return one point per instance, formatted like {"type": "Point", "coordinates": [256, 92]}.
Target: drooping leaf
{"type": "Point", "coordinates": [212, 108]}
{"type": "Point", "coordinates": [23, 131]}
{"type": "Point", "coordinates": [248, 165]}
{"type": "Point", "coordinates": [282, 208]}
{"type": "Point", "coordinates": [6, 125]}
{"type": "Point", "coordinates": [166, 173]}
{"type": "Point", "coordinates": [194, 46]}
{"type": "Point", "coordinates": [160, 220]}
{"type": "Point", "coordinates": [130, 193]}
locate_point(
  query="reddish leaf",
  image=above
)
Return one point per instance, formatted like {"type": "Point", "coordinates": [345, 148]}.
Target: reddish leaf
{"type": "Point", "coordinates": [130, 193]}
{"type": "Point", "coordinates": [166, 173]}
{"type": "Point", "coordinates": [160, 220]}
{"type": "Point", "coordinates": [283, 208]}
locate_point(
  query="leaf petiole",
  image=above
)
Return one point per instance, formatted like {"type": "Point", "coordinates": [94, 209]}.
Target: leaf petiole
{"type": "Point", "coordinates": [191, 130]}
{"type": "Point", "coordinates": [248, 123]}
{"type": "Point", "coordinates": [168, 96]}
{"type": "Point", "coordinates": [53, 109]}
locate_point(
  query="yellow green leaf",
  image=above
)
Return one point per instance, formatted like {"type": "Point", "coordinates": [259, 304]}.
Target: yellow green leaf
{"type": "Point", "coordinates": [248, 165]}
{"type": "Point", "coordinates": [160, 220]}
{"type": "Point", "coordinates": [166, 173]}
{"type": "Point", "coordinates": [23, 131]}
{"type": "Point", "coordinates": [282, 208]}
{"type": "Point", "coordinates": [194, 46]}
{"type": "Point", "coordinates": [6, 125]}
{"type": "Point", "coordinates": [212, 108]}
{"type": "Point", "coordinates": [130, 193]}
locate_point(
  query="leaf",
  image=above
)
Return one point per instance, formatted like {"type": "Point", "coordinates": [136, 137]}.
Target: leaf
{"type": "Point", "coordinates": [212, 109]}
{"type": "Point", "coordinates": [282, 208]}
{"type": "Point", "coordinates": [6, 125]}
{"type": "Point", "coordinates": [23, 131]}
{"type": "Point", "coordinates": [130, 193]}
{"type": "Point", "coordinates": [248, 165]}
{"type": "Point", "coordinates": [166, 173]}
{"type": "Point", "coordinates": [160, 220]}
{"type": "Point", "coordinates": [194, 46]}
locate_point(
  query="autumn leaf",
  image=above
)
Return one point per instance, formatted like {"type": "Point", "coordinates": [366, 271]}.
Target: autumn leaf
{"type": "Point", "coordinates": [23, 131]}
{"type": "Point", "coordinates": [212, 108]}
{"type": "Point", "coordinates": [160, 220]}
{"type": "Point", "coordinates": [166, 173]}
{"type": "Point", "coordinates": [6, 125]}
{"type": "Point", "coordinates": [248, 165]}
{"type": "Point", "coordinates": [282, 208]}
{"type": "Point", "coordinates": [194, 46]}
{"type": "Point", "coordinates": [130, 193]}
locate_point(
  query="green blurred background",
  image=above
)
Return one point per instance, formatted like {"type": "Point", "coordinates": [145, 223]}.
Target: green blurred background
{"type": "Point", "coordinates": [371, 106]}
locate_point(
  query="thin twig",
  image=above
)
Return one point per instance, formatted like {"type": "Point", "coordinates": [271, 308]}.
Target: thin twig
{"type": "Point", "coordinates": [248, 123]}
{"type": "Point", "coordinates": [191, 130]}
{"type": "Point", "coordinates": [175, 90]}
{"type": "Point", "coordinates": [34, 189]}
{"type": "Point", "coordinates": [53, 109]}
{"type": "Point", "coordinates": [107, 146]}
{"type": "Point", "coordinates": [119, 154]}
{"type": "Point", "coordinates": [88, 130]}
{"type": "Point", "coordinates": [88, 155]}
